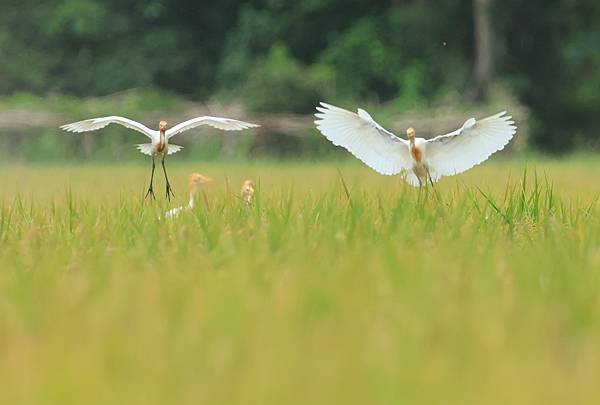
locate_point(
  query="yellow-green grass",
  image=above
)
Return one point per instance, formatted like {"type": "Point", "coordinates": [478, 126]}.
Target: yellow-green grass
{"type": "Point", "coordinates": [365, 293]}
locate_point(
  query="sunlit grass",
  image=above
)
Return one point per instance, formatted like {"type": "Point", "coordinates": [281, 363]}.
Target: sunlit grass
{"type": "Point", "coordinates": [335, 286]}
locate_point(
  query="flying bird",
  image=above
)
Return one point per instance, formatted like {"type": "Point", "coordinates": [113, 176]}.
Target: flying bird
{"type": "Point", "coordinates": [247, 191]}
{"type": "Point", "coordinates": [159, 145]}
{"type": "Point", "coordinates": [196, 179]}
{"type": "Point", "coordinates": [420, 159]}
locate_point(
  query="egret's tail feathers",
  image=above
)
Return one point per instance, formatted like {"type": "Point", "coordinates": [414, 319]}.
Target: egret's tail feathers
{"type": "Point", "coordinates": [174, 148]}
{"type": "Point", "coordinates": [411, 178]}
{"type": "Point", "coordinates": [145, 148]}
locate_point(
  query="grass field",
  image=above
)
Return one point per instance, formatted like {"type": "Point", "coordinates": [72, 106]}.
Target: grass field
{"type": "Point", "coordinates": [487, 292]}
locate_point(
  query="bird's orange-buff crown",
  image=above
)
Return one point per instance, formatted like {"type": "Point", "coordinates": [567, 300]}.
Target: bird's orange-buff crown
{"type": "Point", "coordinates": [197, 178]}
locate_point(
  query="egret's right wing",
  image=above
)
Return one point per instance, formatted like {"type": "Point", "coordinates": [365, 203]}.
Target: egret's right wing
{"type": "Point", "coordinates": [364, 138]}
{"type": "Point", "coordinates": [98, 123]}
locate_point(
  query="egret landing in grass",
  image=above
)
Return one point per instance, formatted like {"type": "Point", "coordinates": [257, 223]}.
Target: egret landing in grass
{"type": "Point", "coordinates": [196, 179]}
{"type": "Point", "coordinates": [247, 191]}
{"type": "Point", "coordinates": [420, 159]}
{"type": "Point", "coordinates": [159, 145]}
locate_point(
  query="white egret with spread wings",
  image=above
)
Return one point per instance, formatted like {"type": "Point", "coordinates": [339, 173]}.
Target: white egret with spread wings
{"type": "Point", "coordinates": [420, 159]}
{"type": "Point", "coordinates": [159, 145]}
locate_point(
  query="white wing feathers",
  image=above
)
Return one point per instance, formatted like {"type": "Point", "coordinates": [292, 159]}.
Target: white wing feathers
{"type": "Point", "coordinates": [98, 123]}
{"type": "Point", "coordinates": [470, 145]}
{"type": "Point", "coordinates": [225, 124]}
{"type": "Point", "coordinates": [364, 138]}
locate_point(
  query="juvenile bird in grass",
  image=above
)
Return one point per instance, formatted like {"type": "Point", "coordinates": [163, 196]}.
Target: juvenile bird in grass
{"type": "Point", "coordinates": [196, 179]}
{"type": "Point", "coordinates": [421, 160]}
{"type": "Point", "coordinates": [159, 145]}
{"type": "Point", "coordinates": [247, 191]}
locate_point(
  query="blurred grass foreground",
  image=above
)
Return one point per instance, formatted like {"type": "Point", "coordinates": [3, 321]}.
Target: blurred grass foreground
{"type": "Point", "coordinates": [372, 292]}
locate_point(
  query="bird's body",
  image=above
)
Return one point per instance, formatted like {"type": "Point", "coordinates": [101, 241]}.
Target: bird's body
{"type": "Point", "coordinates": [196, 179]}
{"type": "Point", "coordinates": [247, 191]}
{"type": "Point", "coordinates": [421, 160]}
{"type": "Point", "coordinates": [159, 140]}
{"type": "Point", "coordinates": [159, 143]}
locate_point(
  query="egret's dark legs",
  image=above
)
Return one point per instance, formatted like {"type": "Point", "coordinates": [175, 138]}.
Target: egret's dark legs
{"type": "Point", "coordinates": [150, 189]}
{"type": "Point", "coordinates": [169, 189]}
{"type": "Point", "coordinates": [429, 177]}
{"type": "Point", "coordinates": [432, 185]}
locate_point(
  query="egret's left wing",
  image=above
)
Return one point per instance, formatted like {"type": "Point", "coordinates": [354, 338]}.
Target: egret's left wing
{"type": "Point", "coordinates": [225, 124]}
{"type": "Point", "coordinates": [470, 145]}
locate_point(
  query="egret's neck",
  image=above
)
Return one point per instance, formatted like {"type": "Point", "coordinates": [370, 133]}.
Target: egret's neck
{"type": "Point", "coordinates": [192, 196]}
{"type": "Point", "coordinates": [415, 152]}
{"type": "Point", "coordinates": [162, 136]}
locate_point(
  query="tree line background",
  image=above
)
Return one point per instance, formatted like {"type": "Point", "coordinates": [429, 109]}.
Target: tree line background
{"type": "Point", "coordinates": [283, 56]}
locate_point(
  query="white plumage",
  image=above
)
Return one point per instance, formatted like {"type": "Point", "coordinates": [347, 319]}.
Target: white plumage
{"type": "Point", "coordinates": [470, 145]}
{"type": "Point", "coordinates": [419, 159]}
{"type": "Point", "coordinates": [148, 149]}
{"type": "Point", "coordinates": [99, 123]}
{"type": "Point", "coordinates": [225, 124]}
{"type": "Point", "coordinates": [364, 138]}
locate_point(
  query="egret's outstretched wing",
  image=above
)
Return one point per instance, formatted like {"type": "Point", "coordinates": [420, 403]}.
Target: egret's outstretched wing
{"type": "Point", "coordinates": [470, 145]}
{"type": "Point", "coordinates": [98, 123]}
{"type": "Point", "coordinates": [364, 138]}
{"type": "Point", "coordinates": [226, 124]}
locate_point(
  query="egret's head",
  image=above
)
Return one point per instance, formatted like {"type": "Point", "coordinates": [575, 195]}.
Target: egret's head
{"type": "Point", "coordinates": [248, 187]}
{"type": "Point", "coordinates": [162, 126]}
{"type": "Point", "coordinates": [197, 178]}
{"type": "Point", "coordinates": [410, 132]}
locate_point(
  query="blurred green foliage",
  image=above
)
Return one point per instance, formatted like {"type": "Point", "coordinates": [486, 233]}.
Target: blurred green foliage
{"type": "Point", "coordinates": [284, 55]}
{"type": "Point", "coordinates": [278, 83]}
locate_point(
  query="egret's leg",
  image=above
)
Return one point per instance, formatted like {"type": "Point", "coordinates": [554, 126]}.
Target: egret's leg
{"type": "Point", "coordinates": [169, 189]}
{"type": "Point", "coordinates": [429, 177]}
{"type": "Point", "coordinates": [432, 185]}
{"type": "Point", "coordinates": [420, 195]}
{"type": "Point", "coordinates": [150, 189]}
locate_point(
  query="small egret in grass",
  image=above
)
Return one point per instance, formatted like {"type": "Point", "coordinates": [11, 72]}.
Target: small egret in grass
{"type": "Point", "coordinates": [247, 192]}
{"type": "Point", "coordinates": [196, 179]}
{"type": "Point", "coordinates": [159, 145]}
{"type": "Point", "coordinates": [420, 159]}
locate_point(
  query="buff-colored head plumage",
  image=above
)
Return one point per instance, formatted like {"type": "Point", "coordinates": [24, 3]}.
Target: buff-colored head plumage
{"type": "Point", "coordinates": [410, 132]}
{"type": "Point", "coordinates": [247, 191]}
{"type": "Point", "coordinates": [197, 179]}
{"type": "Point", "coordinates": [162, 126]}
